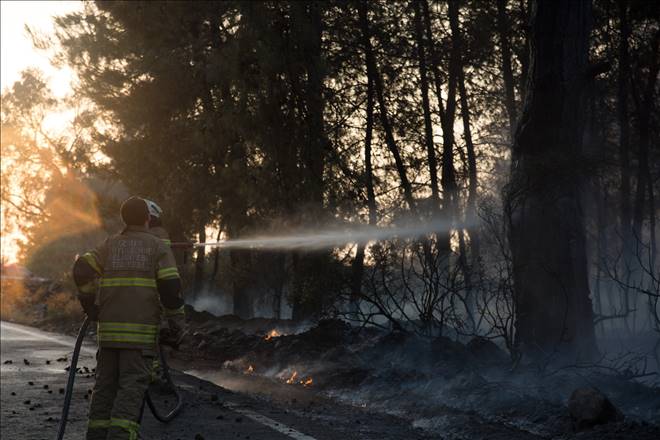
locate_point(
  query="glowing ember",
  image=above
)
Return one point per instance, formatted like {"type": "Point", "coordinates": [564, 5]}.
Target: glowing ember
{"type": "Point", "coordinates": [293, 378]}
{"type": "Point", "coordinates": [296, 380]}
{"type": "Point", "coordinates": [272, 334]}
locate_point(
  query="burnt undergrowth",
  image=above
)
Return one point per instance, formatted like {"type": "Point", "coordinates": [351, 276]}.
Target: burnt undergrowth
{"type": "Point", "coordinates": [456, 387]}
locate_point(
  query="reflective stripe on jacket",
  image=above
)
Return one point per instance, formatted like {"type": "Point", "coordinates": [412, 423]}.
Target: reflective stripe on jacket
{"type": "Point", "coordinates": [131, 265]}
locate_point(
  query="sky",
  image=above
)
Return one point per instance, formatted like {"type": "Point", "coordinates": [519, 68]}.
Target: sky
{"type": "Point", "coordinates": [18, 52]}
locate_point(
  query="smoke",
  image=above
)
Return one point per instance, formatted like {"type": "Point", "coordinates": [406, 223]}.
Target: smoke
{"type": "Point", "coordinates": [218, 305]}
{"type": "Point", "coordinates": [335, 237]}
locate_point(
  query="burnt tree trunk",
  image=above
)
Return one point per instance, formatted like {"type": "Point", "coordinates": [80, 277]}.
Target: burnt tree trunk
{"type": "Point", "coordinates": [644, 194]}
{"type": "Point", "coordinates": [448, 175]}
{"type": "Point", "coordinates": [624, 153]}
{"type": "Point", "coordinates": [523, 57]}
{"type": "Point", "coordinates": [503, 27]}
{"type": "Point", "coordinates": [645, 102]}
{"type": "Point", "coordinates": [311, 266]}
{"type": "Point", "coordinates": [426, 107]}
{"type": "Point", "coordinates": [374, 75]}
{"type": "Point", "coordinates": [198, 279]}
{"type": "Point", "coordinates": [547, 235]}
{"type": "Point", "coordinates": [471, 215]}
{"type": "Point", "coordinates": [471, 211]}
{"type": "Point", "coordinates": [358, 263]}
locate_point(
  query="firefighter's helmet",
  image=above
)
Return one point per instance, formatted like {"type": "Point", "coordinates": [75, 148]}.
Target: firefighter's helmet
{"type": "Point", "coordinates": [154, 209]}
{"type": "Point", "coordinates": [134, 211]}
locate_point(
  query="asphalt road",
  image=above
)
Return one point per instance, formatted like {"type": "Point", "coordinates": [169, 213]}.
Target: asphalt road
{"type": "Point", "coordinates": [33, 377]}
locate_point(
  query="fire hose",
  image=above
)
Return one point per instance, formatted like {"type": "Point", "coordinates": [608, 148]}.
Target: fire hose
{"type": "Point", "coordinates": [164, 418]}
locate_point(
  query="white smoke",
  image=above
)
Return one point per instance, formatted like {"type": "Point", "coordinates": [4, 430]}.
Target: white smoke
{"type": "Point", "coordinates": [218, 305]}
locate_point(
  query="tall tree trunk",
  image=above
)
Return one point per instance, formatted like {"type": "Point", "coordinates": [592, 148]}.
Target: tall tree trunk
{"type": "Point", "coordinates": [503, 27]}
{"type": "Point", "coordinates": [434, 62]}
{"type": "Point", "coordinates": [455, 65]}
{"type": "Point", "coordinates": [426, 107]}
{"type": "Point", "coordinates": [447, 116]}
{"type": "Point", "coordinates": [645, 104]}
{"type": "Point", "coordinates": [216, 259]}
{"type": "Point", "coordinates": [471, 212]}
{"type": "Point", "coordinates": [374, 75]}
{"type": "Point", "coordinates": [523, 16]}
{"type": "Point", "coordinates": [310, 266]}
{"type": "Point", "coordinates": [547, 235]}
{"type": "Point", "coordinates": [644, 195]}
{"type": "Point", "coordinates": [624, 154]}
{"type": "Point", "coordinates": [358, 263]}
{"type": "Point", "coordinates": [198, 280]}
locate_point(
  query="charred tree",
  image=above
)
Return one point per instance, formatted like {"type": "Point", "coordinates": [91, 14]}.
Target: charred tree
{"type": "Point", "coordinates": [426, 108]}
{"type": "Point", "coordinates": [374, 76]}
{"type": "Point", "coordinates": [200, 258]}
{"type": "Point", "coordinates": [472, 167]}
{"type": "Point", "coordinates": [547, 233]}
{"type": "Point", "coordinates": [645, 102]}
{"type": "Point", "coordinates": [448, 181]}
{"type": "Point", "coordinates": [624, 152]}
{"type": "Point", "coordinates": [503, 27]}
{"type": "Point", "coordinates": [358, 263]}
{"type": "Point", "coordinates": [310, 266]}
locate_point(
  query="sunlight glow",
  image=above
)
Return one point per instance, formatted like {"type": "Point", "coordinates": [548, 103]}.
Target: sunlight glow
{"type": "Point", "coordinates": [19, 53]}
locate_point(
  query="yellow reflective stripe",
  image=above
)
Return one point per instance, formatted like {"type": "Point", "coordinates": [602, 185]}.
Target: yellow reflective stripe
{"type": "Point", "coordinates": [98, 423]}
{"type": "Point", "coordinates": [127, 337]}
{"type": "Point", "coordinates": [124, 332]}
{"type": "Point", "coordinates": [168, 273]}
{"type": "Point", "coordinates": [129, 425]}
{"type": "Point", "coordinates": [173, 312]}
{"type": "Point", "coordinates": [167, 241]}
{"type": "Point", "coordinates": [88, 288]}
{"type": "Point", "coordinates": [128, 282]}
{"type": "Point", "coordinates": [90, 258]}
{"type": "Point", "coordinates": [127, 327]}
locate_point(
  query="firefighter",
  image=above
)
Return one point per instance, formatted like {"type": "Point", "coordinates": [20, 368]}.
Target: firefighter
{"type": "Point", "coordinates": [122, 284]}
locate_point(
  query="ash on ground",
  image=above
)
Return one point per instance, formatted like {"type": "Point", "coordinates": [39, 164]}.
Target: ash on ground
{"type": "Point", "coordinates": [460, 390]}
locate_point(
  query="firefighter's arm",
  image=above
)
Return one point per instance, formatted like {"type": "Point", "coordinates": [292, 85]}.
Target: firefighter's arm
{"type": "Point", "coordinates": [168, 283]}
{"type": "Point", "coordinates": [87, 269]}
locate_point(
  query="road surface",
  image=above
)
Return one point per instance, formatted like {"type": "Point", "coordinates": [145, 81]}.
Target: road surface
{"type": "Point", "coordinates": [33, 377]}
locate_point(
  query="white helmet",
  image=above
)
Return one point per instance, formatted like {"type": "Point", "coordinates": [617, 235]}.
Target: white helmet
{"type": "Point", "coordinates": [154, 209]}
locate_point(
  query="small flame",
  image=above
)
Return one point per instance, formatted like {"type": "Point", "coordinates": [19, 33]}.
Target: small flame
{"type": "Point", "coordinates": [250, 370]}
{"type": "Point", "coordinates": [272, 334]}
{"type": "Point", "coordinates": [293, 377]}
{"type": "Point", "coordinates": [295, 380]}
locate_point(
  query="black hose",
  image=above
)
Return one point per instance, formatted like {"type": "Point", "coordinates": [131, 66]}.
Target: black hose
{"type": "Point", "coordinates": [72, 377]}
{"type": "Point", "coordinates": [179, 400]}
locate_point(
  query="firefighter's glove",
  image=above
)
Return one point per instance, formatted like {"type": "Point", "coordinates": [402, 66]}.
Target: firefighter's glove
{"type": "Point", "coordinates": [87, 301]}
{"type": "Point", "coordinates": [175, 332]}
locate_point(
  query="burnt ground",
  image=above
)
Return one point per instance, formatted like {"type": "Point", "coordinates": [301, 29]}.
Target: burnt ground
{"type": "Point", "coordinates": [337, 381]}
{"type": "Point", "coordinates": [445, 387]}
{"type": "Point", "coordinates": [32, 393]}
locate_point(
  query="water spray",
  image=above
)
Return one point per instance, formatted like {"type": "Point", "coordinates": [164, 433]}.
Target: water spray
{"type": "Point", "coordinates": [329, 238]}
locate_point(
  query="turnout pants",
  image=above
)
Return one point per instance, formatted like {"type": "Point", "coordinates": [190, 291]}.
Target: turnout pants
{"type": "Point", "coordinates": [122, 377]}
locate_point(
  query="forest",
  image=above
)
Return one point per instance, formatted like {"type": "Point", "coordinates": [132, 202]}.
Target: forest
{"type": "Point", "coordinates": [516, 141]}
